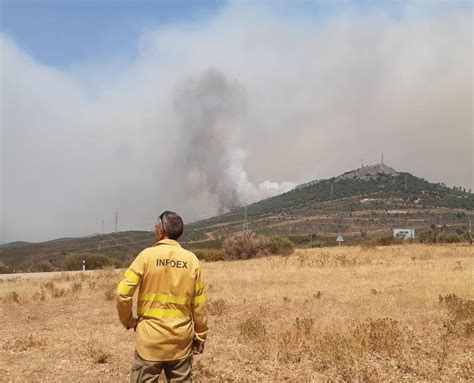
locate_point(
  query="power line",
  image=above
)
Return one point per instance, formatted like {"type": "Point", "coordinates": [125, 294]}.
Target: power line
{"type": "Point", "coordinates": [94, 248]}
{"type": "Point", "coordinates": [96, 241]}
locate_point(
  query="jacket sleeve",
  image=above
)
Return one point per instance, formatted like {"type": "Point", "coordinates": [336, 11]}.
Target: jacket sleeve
{"type": "Point", "coordinates": [125, 290]}
{"type": "Point", "coordinates": [199, 308]}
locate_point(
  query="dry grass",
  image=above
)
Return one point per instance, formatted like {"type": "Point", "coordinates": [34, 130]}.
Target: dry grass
{"type": "Point", "coordinates": [339, 314]}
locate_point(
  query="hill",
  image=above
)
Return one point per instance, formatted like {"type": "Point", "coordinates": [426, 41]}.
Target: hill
{"type": "Point", "coordinates": [368, 201]}
{"type": "Point", "coordinates": [361, 204]}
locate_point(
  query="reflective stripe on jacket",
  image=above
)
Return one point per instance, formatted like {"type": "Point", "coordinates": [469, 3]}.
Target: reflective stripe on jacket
{"type": "Point", "coordinates": [171, 301]}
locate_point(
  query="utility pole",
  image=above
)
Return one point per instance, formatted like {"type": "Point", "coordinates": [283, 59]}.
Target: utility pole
{"type": "Point", "coordinates": [469, 234]}
{"type": "Point", "coordinates": [245, 226]}
{"type": "Point", "coordinates": [382, 159]}
{"type": "Point", "coordinates": [116, 221]}
{"type": "Point", "coordinates": [103, 227]}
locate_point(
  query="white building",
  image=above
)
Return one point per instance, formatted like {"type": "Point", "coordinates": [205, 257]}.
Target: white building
{"type": "Point", "coordinates": [404, 233]}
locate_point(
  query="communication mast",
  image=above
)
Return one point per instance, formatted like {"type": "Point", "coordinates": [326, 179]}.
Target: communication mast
{"type": "Point", "coordinates": [116, 221]}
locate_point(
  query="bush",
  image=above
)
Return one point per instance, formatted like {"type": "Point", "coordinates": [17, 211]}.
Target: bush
{"type": "Point", "coordinates": [381, 335]}
{"type": "Point", "coordinates": [279, 245]}
{"type": "Point", "coordinates": [461, 313]}
{"type": "Point", "coordinates": [210, 255]}
{"type": "Point", "coordinates": [432, 236]}
{"type": "Point", "coordinates": [217, 307]}
{"type": "Point", "coordinates": [252, 330]}
{"type": "Point", "coordinates": [368, 245]}
{"type": "Point", "coordinates": [4, 269]}
{"type": "Point", "coordinates": [12, 296]}
{"type": "Point", "coordinates": [42, 266]}
{"type": "Point", "coordinates": [304, 325]}
{"type": "Point", "coordinates": [243, 245]}
{"type": "Point", "coordinates": [93, 262]}
{"type": "Point", "coordinates": [390, 240]}
{"type": "Point", "coordinates": [450, 238]}
{"type": "Point", "coordinates": [109, 294]}
{"type": "Point", "coordinates": [317, 244]}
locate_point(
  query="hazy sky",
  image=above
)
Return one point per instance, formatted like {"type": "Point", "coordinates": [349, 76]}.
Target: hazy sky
{"type": "Point", "coordinates": [138, 107]}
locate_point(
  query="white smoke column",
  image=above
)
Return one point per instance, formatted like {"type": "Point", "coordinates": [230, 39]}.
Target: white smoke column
{"type": "Point", "coordinates": [249, 192]}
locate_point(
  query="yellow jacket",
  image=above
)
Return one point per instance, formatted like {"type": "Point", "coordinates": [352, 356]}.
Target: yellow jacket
{"type": "Point", "coordinates": [171, 301]}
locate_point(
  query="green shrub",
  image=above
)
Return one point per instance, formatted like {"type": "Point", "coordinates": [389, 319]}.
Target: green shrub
{"type": "Point", "coordinates": [244, 245]}
{"type": "Point", "coordinates": [279, 245]}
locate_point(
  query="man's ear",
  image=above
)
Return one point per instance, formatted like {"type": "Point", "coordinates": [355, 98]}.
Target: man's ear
{"type": "Point", "coordinates": [161, 232]}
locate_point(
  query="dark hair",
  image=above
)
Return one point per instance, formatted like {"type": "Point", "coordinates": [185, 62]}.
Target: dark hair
{"type": "Point", "coordinates": [172, 224]}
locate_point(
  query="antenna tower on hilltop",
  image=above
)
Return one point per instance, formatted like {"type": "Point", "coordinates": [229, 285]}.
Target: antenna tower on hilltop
{"type": "Point", "coordinates": [116, 221]}
{"type": "Point", "coordinates": [381, 158]}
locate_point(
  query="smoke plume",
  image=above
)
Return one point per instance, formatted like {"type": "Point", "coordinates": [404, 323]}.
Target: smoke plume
{"type": "Point", "coordinates": [211, 109]}
{"type": "Point", "coordinates": [207, 113]}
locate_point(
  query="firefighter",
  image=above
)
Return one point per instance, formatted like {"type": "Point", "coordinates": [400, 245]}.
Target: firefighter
{"type": "Point", "coordinates": [171, 322]}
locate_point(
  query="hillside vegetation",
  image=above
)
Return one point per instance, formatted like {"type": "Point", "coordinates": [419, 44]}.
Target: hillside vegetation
{"type": "Point", "coordinates": [363, 206]}
{"type": "Point", "coordinates": [367, 202]}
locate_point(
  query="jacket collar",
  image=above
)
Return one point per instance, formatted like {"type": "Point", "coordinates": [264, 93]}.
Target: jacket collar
{"type": "Point", "coordinates": [167, 241]}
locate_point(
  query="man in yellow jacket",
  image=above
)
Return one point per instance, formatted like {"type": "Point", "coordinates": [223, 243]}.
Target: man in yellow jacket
{"type": "Point", "coordinates": [171, 322]}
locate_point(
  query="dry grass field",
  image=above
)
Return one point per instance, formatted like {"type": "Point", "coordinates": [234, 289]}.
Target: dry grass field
{"type": "Point", "coordinates": [335, 314]}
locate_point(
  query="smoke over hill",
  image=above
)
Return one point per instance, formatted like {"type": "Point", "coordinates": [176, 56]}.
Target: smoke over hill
{"type": "Point", "coordinates": [206, 113]}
